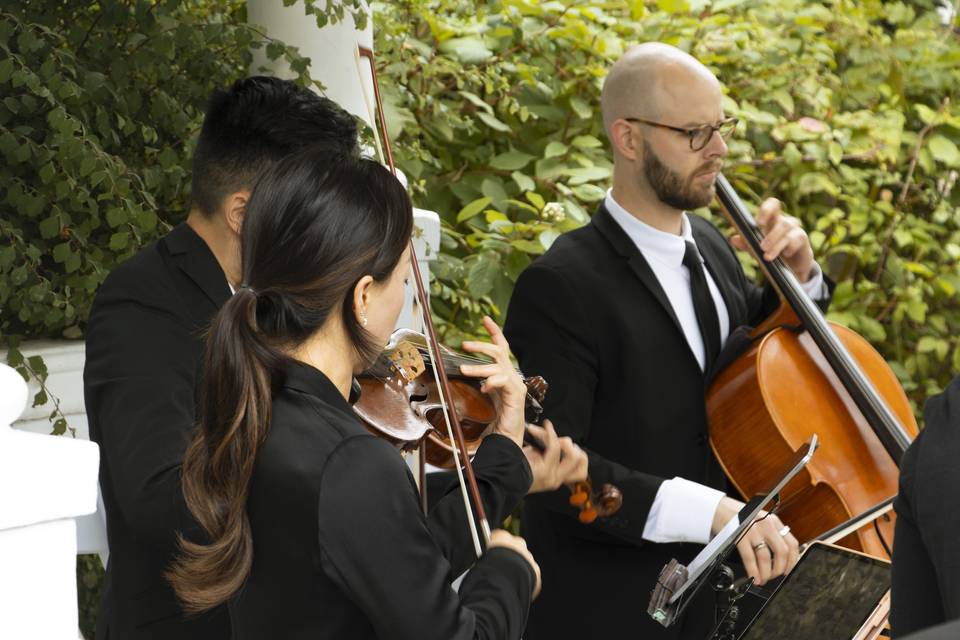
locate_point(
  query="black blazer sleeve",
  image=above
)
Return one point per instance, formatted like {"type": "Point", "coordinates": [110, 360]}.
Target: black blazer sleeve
{"type": "Point", "coordinates": [914, 605]}
{"type": "Point", "coordinates": [375, 544]}
{"type": "Point", "coordinates": [503, 477]}
{"type": "Point", "coordinates": [139, 392]}
{"type": "Point", "coordinates": [548, 330]}
{"type": "Point", "coordinates": [926, 556]}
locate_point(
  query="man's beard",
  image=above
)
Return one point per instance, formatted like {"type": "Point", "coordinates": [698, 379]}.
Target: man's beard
{"type": "Point", "coordinates": [672, 189]}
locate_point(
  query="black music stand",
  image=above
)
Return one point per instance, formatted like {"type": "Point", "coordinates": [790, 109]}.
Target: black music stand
{"type": "Point", "coordinates": [678, 585]}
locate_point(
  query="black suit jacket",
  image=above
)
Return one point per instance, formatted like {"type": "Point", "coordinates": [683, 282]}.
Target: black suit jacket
{"type": "Point", "coordinates": [144, 354]}
{"type": "Point", "coordinates": [341, 548]}
{"type": "Point", "coordinates": [144, 349]}
{"type": "Point", "coordinates": [591, 317]}
{"type": "Point", "coordinates": [926, 556]}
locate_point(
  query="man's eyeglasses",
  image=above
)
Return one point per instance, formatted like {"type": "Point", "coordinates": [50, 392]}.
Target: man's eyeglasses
{"type": "Point", "coordinates": [699, 136]}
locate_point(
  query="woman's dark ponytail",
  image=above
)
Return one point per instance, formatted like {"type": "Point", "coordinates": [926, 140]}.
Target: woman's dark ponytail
{"type": "Point", "coordinates": [314, 227]}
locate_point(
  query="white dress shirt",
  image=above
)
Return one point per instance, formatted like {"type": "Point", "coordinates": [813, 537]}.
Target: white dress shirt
{"type": "Point", "coordinates": [683, 510]}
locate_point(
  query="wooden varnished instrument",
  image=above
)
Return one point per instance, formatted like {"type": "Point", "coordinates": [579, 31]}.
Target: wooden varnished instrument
{"type": "Point", "coordinates": [802, 375]}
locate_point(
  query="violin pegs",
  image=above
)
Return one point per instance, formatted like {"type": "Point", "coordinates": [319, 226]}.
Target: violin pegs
{"type": "Point", "coordinates": [579, 496]}
{"type": "Point", "coordinates": [588, 514]}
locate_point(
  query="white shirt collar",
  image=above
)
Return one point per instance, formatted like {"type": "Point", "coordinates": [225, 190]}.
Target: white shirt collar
{"type": "Point", "coordinates": [653, 243]}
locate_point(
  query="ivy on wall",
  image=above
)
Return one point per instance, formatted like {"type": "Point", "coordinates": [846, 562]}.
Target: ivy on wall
{"type": "Point", "coordinates": [101, 104]}
{"type": "Point", "coordinates": [849, 115]}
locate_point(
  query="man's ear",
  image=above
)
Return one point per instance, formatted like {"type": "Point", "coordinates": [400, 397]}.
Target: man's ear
{"type": "Point", "coordinates": [622, 139]}
{"type": "Point", "coordinates": [234, 208]}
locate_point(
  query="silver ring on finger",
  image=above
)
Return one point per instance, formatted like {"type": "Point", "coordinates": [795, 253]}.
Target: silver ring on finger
{"type": "Point", "coordinates": [760, 545]}
{"type": "Point", "coordinates": [783, 532]}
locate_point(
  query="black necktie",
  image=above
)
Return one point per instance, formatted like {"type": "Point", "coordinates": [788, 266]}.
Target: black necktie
{"type": "Point", "coordinates": [703, 305]}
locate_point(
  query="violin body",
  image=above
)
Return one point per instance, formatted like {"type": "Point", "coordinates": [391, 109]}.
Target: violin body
{"type": "Point", "coordinates": [399, 401]}
{"type": "Point", "coordinates": [770, 401]}
{"type": "Point", "coordinates": [407, 412]}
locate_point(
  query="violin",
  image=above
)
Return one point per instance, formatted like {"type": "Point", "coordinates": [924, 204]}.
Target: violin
{"type": "Point", "coordinates": [398, 399]}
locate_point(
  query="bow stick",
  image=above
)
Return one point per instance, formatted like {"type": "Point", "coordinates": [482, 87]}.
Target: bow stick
{"type": "Point", "coordinates": [454, 430]}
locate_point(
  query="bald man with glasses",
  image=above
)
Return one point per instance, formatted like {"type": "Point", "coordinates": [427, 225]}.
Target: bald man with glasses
{"type": "Point", "coordinates": [625, 318]}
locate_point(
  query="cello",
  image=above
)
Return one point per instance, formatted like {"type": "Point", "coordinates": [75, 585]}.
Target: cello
{"type": "Point", "coordinates": [800, 375]}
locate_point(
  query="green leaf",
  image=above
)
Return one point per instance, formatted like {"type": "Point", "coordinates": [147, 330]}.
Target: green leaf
{"type": "Point", "coordinates": [535, 199]}
{"type": "Point", "coordinates": [527, 246]}
{"type": "Point", "coordinates": [523, 181]}
{"type": "Point", "coordinates": [785, 100]}
{"type": "Point", "coordinates": [61, 252]}
{"type": "Point", "coordinates": [484, 269]}
{"type": "Point", "coordinates": [6, 68]}
{"type": "Point", "coordinates": [477, 101]}
{"type": "Point", "coordinates": [816, 183]}
{"type": "Point", "coordinates": [917, 310]}
{"type": "Point", "coordinates": [40, 398]}
{"type": "Point", "coordinates": [555, 149]}
{"type": "Point", "coordinates": [119, 240]}
{"type": "Point", "coordinates": [515, 263]}
{"type": "Point", "coordinates": [835, 153]}
{"type": "Point", "coordinates": [473, 208]}
{"type": "Point", "coordinates": [511, 160]}
{"type": "Point", "coordinates": [116, 217]}
{"type": "Point", "coordinates": [50, 227]}
{"type": "Point", "coordinates": [47, 172]}
{"type": "Point", "coordinates": [587, 174]}
{"type": "Point", "coordinates": [944, 150]}
{"type": "Point", "coordinates": [492, 122]}
{"type": "Point", "coordinates": [87, 165]}
{"type": "Point", "coordinates": [580, 107]}
{"type": "Point", "coordinates": [673, 6]}
{"type": "Point", "coordinates": [547, 237]}
{"type": "Point", "coordinates": [927, 115]}
{"type": "Point", "coordinates": [586, 142]}
{"type": "Point", "coordinates": [589, 192]}
{"type": "Point", "coordinates": [469, 50]}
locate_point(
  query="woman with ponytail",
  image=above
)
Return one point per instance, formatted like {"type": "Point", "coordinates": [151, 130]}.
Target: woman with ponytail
{"type": "Point", "coordinates": [311, 526]}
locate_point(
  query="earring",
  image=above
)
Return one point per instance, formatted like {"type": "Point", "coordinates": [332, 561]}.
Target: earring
{"type": "Point", "coordinates": [363, 319]}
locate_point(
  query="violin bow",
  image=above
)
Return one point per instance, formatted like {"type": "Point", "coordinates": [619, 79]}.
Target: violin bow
{"type": "Point", "coordinates": [454, 430]}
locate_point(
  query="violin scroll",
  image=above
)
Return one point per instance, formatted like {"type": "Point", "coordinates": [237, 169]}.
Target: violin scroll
{"type": "Point", "coordinates": [594, 504]}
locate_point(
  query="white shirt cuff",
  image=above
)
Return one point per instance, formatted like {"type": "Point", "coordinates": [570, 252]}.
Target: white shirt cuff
{"type": "Point", "coordinates": [682, 512]}
{"type": "Point", "coordinates": [815, 287]}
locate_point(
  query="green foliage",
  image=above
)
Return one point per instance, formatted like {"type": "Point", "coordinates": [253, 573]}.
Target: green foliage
{"type": "Point", "coordinates": [849, 116]}
{"type": "Point", "coordinates": [101, 106]}
{"type": "Point", "coordinates": [89, 586]}
{"type": "Point", "coordinates": [333, 11]}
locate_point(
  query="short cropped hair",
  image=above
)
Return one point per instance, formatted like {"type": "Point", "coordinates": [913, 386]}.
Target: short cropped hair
{"type": "Point", "coordinates": [256, 123]}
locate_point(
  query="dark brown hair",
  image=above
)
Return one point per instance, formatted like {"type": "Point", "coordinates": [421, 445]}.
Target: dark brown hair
{"type": "Point", "coordinates": [314, 226]}
{"type": "Point", "coordinates": [256, 122]}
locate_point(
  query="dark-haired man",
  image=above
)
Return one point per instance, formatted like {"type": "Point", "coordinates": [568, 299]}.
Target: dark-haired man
{"type": "Point", "coordinates": [144, 346]}
{"type": "Point", "coordinates": [657, 292]}
{"type": "Point", "coordinates": [144, 349]}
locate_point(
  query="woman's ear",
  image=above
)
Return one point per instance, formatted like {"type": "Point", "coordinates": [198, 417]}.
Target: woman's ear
{"type": "Point", "coordinates": [362, 295]}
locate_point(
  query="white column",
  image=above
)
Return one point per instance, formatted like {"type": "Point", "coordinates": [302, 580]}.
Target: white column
{"type": "Point", "coordinates": [45, 482]}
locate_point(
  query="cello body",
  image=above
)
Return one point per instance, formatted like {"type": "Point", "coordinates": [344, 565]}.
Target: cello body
{"type": "Point", "coordinates": [803, 375]}
{"type": "Point", "coordinates": [769, 401]}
